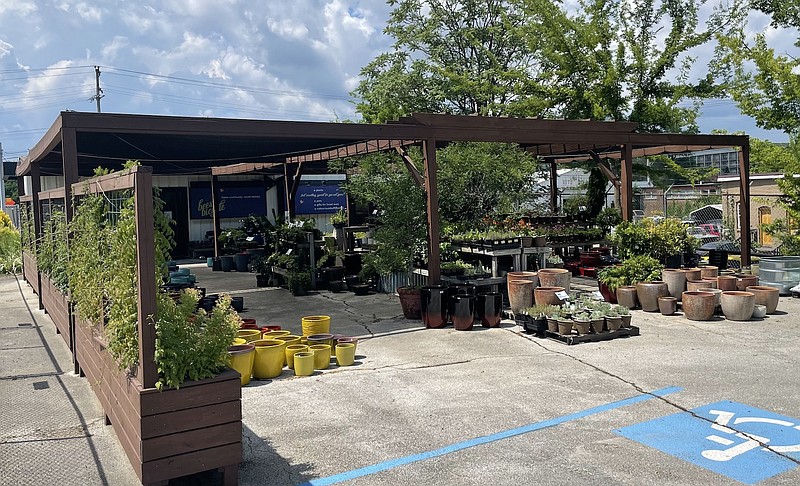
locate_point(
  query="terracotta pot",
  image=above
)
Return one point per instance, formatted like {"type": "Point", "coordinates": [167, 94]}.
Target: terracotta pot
{"type": "Point", "coordinates": [744, 281]}
{"type": "Point", "coordinates": [547, 295]}
{"type": "Point", "coordinates": [626, 295]}
{"type": "Point", "coordinates": [694, 285]}
{"type": "Point", "coordinates": [410, 302]}
{"type": "Point", "coordinates": [534, 276]}
{"type": "Point", "coordinates": [698, 306]}
{"type": "Point", "coordinates": [520, 294]}
{"type": "Point", "coordinates": [693, 273]}
{"type": "Point", "coordinates": [667, 305]}
{"type": "Point", "coordinates": [766, 296]}
{"type": "Point", "coordinates": [711, 281]}
{"type": "Point", "coordinates": [726, 282]}
{"type": "Point", "coordinates": [709, 271]}
{"type": "Point", "coordinates": [738, 305]}
{"type": "Point", "coordinates": [555, 277]}
{"type": "Point", "coordinates": [717, 294]}
{"type": "Point", "coordinates": [552, 325]}
{"type": "Point", "coordinates": [648, 294]}
{"type": "Point", "coordinates": [676, 281]}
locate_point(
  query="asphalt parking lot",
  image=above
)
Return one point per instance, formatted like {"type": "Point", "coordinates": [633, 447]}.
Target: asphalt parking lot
{"type": "Point", "coordinates": [685, 402]}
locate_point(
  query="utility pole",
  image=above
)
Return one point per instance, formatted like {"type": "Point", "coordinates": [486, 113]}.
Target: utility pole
{"type": "Point", "coordinates": [98, 91]}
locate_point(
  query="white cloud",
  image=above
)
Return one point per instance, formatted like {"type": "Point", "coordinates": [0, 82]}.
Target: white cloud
{"type": "Point", "coordinates": [88, 12]}
{"type": "Point", "coordinates": [111, 49]}
{"type": "Point", "coordinates": [5, 48]}
{"type": "Point", "coordinates": [18, 7]}
{"type": "Point", "coordinates": [287, 28]}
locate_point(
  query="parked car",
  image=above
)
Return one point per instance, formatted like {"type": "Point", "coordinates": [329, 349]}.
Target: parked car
{"type": "Point", "coordinates": [712, 229]}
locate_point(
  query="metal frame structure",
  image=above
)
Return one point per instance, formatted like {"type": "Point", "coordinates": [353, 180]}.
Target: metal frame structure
{"type": "Point", "coordinates": [77, 142]}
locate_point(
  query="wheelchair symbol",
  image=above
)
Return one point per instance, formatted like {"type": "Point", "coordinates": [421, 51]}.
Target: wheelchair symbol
{"type": "Point", "coordinates": [751, 441]}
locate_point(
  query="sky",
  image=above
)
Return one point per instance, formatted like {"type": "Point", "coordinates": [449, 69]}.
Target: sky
{"type": "Point", "coordinates": [276, 59]}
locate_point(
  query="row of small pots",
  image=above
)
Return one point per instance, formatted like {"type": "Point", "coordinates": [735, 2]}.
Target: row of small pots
{"type": "Point", "coordinates": [266, 358]}
{"type": "Point", "coordinates": [565, 326]}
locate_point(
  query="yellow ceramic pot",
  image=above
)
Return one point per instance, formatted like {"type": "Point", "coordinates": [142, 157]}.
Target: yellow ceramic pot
{"type": "Point", "coordinates": [240, 359]}
{"type": "Point", "coordinates": [237, 341]}
{"type": "Point", "coordinates": [289, 339]}
{"type": "Point", "coordinates": [291, 350]}
{"type": "Point", "coordinates": [322, 356]}
{"type": "Point", "coordinates": [345, 354]}
{"type": "Point", "coordinates": [248, 334]}
{"type": "Point", "coordinates": [269, 358]}
{"type": "Point", "coordinates": [304, 363]}
{"type": "Point", "coordinates": [316, 325]}
{"type": "Point", "coordinates": [274, 334]}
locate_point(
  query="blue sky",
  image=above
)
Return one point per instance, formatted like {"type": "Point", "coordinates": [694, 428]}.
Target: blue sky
{"type": "Point", "coordinates": [278, 59]}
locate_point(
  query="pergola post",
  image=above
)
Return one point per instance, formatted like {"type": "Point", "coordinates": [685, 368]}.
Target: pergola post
{"type": "Point", "coordinates": [215, 212]}
{"type": "Point", "coordinates": [553, 187]}
{"type": "Point", "coordinates": [744, 202]}
{"type": "Point", "coordinates": [36, 187]}
{"type": "Point", "coordinates": [147, 372]}
{"type": "Point", "coordinates": [432, 202]}
{"type": "Point", "coordinates": [69, 160]}
{"type": "Point", "coordinates": [626, 182]}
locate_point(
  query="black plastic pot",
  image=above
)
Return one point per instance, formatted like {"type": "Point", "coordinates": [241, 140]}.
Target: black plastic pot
{"type": "Point", "coordinates": [241, 260]}
{"type": "Point", "coordinates": [488, 307]}
{"type": "Point", "coordinates": [262, 280]}
{"type": "Point", "coordinates": [433, 303]}
{"type": "Point", "coordinates": [227, 263]}
{"type": "Point", "coordinates": [336, 286]}
{"type": "Point", "coordinates": [216, 264]}
{"type": "Point", "coordinates": [237, 303]}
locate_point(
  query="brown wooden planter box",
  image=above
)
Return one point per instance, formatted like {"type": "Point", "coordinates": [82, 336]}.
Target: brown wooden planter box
{"type": "Point", "coordinates": [172, 433]}
{"type": "Point", "coordinates": [30, 270]}
{"type": "Point", "coordinates": [57, 305]}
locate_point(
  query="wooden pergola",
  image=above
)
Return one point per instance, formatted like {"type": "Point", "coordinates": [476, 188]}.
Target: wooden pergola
{"type": "Point", "coordinates": [78, 142]}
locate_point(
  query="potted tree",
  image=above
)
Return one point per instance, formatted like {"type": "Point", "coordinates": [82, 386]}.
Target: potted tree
{"type": "Point", "coordinates": [261, 267]}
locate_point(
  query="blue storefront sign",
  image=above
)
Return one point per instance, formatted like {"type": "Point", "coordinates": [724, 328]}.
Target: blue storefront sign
{"type": "Point", "coordinates": [319, 197]}
{"type": "Point", "coordinates": [744, 443]}
{"type": "Point", "coordinates": [237, 200]}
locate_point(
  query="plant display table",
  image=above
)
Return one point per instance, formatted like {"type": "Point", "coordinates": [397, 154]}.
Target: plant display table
{"type": "Point", "coordinates": [518, 254]}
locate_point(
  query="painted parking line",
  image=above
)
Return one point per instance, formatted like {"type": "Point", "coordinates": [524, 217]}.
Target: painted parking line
{"type": "Point", "coordinates": [459, 446]}
{"type": "Point", "coordinates": [742, 442]}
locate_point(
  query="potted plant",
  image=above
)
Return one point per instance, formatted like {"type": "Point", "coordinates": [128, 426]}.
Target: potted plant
{"type": "Point", "coordinates": [339, 218]}
{"type": "Point", "coordinates": [555, 261]}
{"type": "Point", "coordinates": [597, 320]}
{"type": "Point", "coordinates": [582, 322]}
{"type": "Point", "coordinates": [261, 267]}
{"type": "Point", "coordinates": [613, 320]}
{"type": "Point", "coordinates": [625, 314]}
{"type": "Point", "coordinates": [299, 282]}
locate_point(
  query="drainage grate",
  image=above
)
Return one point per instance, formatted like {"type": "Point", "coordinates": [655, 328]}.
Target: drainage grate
{"type": "Point", "coordinates": [40, 385]}
{"type": "Point", "coordinates": [25, 324]}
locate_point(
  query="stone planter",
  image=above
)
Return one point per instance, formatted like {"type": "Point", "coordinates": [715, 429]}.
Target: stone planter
{"type": "Point", "coordinates": [744, 281]}
{"type": "Point", "coordinates": [738, 305]}
{"type": "Point", "coordinates": [547, 295]}
{"type": "Point", "coordinates": [565, 327]}
{"type": "Point", "coordinates": [675, 280]}
{"type": "Point", "coordinates": [520, 294]}
{"type": "Point", "coordinates": [410, 302]}
{"type": "Point", "coordinates": [626, 295]}
{"type": "Point", "coordinates": [766, 296]}
{"type": "Point", "coordinates": [695, 285]}
{"type": "Point", "coordinates": [726, 282]}
{"type": "Point", "coordinates": [717, 294]}
{"type": "Point", "coordinates": [582, 326]}
{"type": "Point", "coordinates": [709, 271]}
{"type": "Point", "coordinates": [712, 282]}
{"type": "Point", "coordinates": [698, 306]}
{"type": "Point", "coordinates": [759, 311]}
{"type": "Point", "coordinates": [693, 273]}
{"type": "Point", "coordinates": [667, 305]}
{"type": "Point", "coordinates": [555, 277]}
{"type": "Point", "coordinates": [613, 323]}
{"type": "Point", "coordinates": [648, 294]}
{"type": "Point", "coordinates": [533, 276]}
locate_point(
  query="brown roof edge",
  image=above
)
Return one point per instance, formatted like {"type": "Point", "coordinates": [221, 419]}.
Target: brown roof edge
{"type": "Point", "coordinates": [45, 144]}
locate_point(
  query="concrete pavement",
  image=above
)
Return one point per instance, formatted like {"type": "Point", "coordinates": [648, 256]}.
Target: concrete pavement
{"type": "Point", "coordinates": [491, 406]}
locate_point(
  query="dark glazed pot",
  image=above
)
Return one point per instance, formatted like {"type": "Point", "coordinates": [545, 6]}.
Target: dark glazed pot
{"type": "Point", "coordinates": [463, 312]}
{"type": "Point", "coordinates": [227, 263]}
{"type": "Point", "coordinates": [488, 308]}
{"type": "Point", "coordinates": [433, 303]}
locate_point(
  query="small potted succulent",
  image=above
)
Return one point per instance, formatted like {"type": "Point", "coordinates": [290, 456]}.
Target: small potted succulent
{"type": "Point", "coordinates": [625, 314]}
{"type": "Point", "coordinates": [597, 320]}
{"type": "Point", "coordinates": [613, 320]}
{"type": "Point", "coordinates": [582, 322]}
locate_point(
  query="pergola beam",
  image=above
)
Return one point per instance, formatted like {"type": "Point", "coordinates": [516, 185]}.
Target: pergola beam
{"type": "Point", "coordinates": [412, 168]}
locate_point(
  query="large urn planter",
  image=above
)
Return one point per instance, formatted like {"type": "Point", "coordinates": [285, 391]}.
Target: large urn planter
{"type": "Point", "coordinates": [433, 304]}
{"type": "Point", "coordinates": [695, 285]}
{"type": "Point", "coordinates": [648, 294]}
{"type": "Point", "coordinates": [726, 282]}
{"type": "Point", "coordinates": [410, 302]}
{"type": "Point", "coordinates": [698, 306]}
{"type": "Point", "coordinates": [463, 315]}
{"type": "Point", "coordinates": [547, 295]}
{"type": "Point", "coordinates": [738, 305]}
{"type": "Point", "coordinates": [744, 281]}
{"type": "Point", "coordinates": [520, 294]}
{"type": "Point", "coordinates": [555, 277]}
{"type": "Point", "coordinates": [608, 295]}
{"type": "Point", "coordinates": [488, 307]}
{"type": "Point", "coordinates": [709, 271]}
{"type": "Point", "coordinates": [675, 280]}
{"type": "Point", "coordinates": [626, 295]}
{"type": "Point", "coordinates": [766, 296]}
{"type": "Point", "coordinates": [533, 276]}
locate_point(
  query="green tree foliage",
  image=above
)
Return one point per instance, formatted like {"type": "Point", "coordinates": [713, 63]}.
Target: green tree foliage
{"type": "Point", "coordinates": [10, 246]}
{"type": "Point", "coordinates": [595, 192]}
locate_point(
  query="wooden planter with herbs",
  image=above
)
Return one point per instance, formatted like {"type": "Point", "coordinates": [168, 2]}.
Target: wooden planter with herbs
{"type": "Point", "coordinates": [57, 306]}
{"type": "Point", "coordinates": [165, 433]}
{"type": "Point", "coordinates": [30, 271]}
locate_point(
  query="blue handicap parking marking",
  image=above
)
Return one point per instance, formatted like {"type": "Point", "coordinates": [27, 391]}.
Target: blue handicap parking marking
{"type": "Point", "coordinates": [730, 444]}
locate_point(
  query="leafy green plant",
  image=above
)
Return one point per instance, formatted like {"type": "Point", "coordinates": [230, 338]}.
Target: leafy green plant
{"type": "Point", "coordinates": [299, 281]}
{"type": "Point", "coordinates": [88, 257]}
{"type": "Point", "coordinates": [192, 344]}
{"type": "Point", "coordinates": [10, 250]}
{"type": "Point", "coordinates": [658, 239]}
{"type": "Point", "coordinates": [260, 265]}
{"type": "Point", "coordinates": [640, 268]}
{"type": "Point", "coordinates": [608, 218]}
{"type": "Point", "coordinates": [339, 218]}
